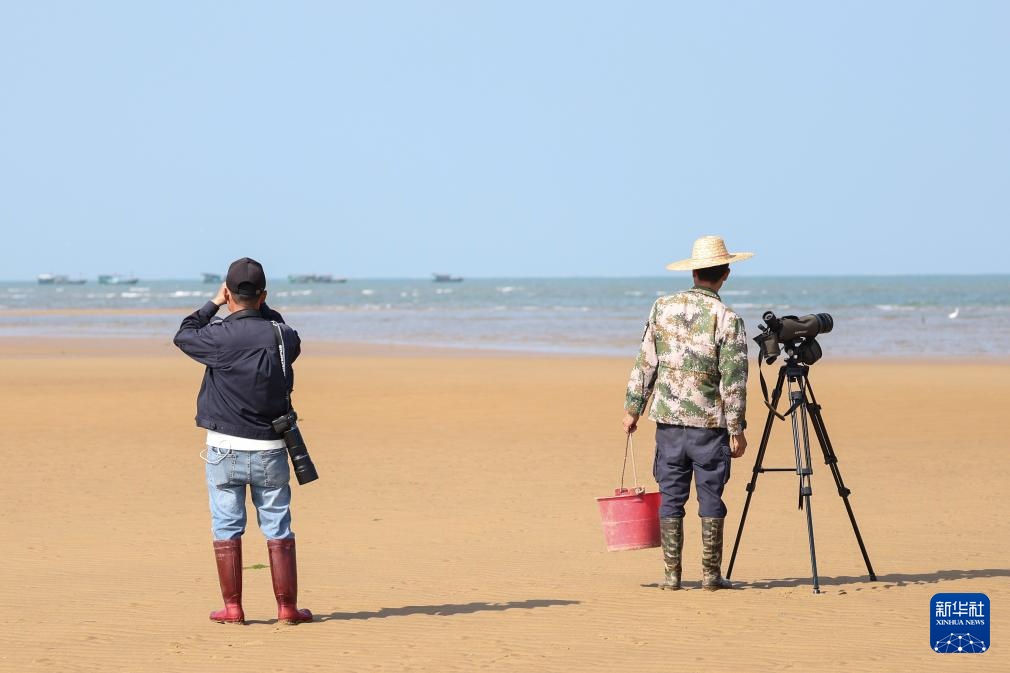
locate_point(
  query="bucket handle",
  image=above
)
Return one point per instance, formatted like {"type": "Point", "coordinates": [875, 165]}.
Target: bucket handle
{"type": "Point", "coordinates": [629, 447]}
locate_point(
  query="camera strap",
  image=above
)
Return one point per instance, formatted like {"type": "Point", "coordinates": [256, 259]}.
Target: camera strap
{"type": "Point", "coordinates": [279, 336]}
{"type": "Point", "coordinates": [764, 391]}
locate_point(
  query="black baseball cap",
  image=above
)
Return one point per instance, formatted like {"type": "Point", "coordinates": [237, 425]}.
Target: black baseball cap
{"type": "Point", "coordinates": [246, 278]}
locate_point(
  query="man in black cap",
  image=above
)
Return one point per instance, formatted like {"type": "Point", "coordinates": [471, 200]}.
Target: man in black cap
{"type": "Point", "coordinates": [244, 388]}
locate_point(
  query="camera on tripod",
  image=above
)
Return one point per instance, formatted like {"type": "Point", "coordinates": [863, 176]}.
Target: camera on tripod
{"type": "Point", "coordinates": [796, 334]}
{"type": "Point", "coordinates": [287, 425]}
{"type": "Point", "coordinates": [802, 350]}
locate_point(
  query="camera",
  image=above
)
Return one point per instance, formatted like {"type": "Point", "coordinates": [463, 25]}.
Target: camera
{"type": "Point", "coordinates": [287, 425]}
{"type": "Point", "coordinates": [795, 333]}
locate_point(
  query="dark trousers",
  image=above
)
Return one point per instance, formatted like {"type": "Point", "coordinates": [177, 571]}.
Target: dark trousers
{"type": "Point", "coordinates": [682, 452]}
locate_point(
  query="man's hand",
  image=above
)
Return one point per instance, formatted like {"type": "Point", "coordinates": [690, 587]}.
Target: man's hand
{"type": "Point", "coordinates": [630, 422]}
{"type": "Point", "coordinates": [219, 298]}
{"type": "Point", "coordinates": [737, 445]}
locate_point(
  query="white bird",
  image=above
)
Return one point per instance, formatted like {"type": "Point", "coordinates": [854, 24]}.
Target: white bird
{"type": "Point", "coordinates": [954, 314]}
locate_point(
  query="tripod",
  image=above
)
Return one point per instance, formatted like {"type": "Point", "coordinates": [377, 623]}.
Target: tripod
{"type": "Point", "coordinates": [803, 404]}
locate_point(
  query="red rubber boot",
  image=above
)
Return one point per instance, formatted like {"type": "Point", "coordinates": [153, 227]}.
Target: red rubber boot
{"type": "Point", "coordinates": [229, 573]}
{"type": "Point", "coordinates": [284, 572]}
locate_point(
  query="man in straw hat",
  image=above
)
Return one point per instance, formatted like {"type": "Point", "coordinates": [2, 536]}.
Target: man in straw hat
{"type": "Point", "coordinates": [693, 362]}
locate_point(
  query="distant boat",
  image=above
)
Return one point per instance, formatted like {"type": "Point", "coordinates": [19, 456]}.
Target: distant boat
{"type": "Point", "coordinates": [314, 278]}
{"type": "Point", "coordinates": [211, 277]}
{"type": "Point", "coordinates": [116, 279]}
{"type": "Point", "coordinates": [59, 279]}
{"type": "Point", "coordinates": [446, 278]}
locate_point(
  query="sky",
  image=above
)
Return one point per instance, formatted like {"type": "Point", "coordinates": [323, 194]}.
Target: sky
{"type": "Point", "coordinates": [395, 139]}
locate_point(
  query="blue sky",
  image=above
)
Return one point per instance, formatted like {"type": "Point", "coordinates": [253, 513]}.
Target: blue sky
{"type": "Point", "coordinates": [502, 139]}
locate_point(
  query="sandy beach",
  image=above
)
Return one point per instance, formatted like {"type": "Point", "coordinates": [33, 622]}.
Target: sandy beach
{"type": "Point", "coordinates": [454, 526]}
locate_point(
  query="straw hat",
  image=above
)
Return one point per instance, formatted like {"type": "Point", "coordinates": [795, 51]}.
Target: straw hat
{"type": "Point", "coordinates": [708, 251]}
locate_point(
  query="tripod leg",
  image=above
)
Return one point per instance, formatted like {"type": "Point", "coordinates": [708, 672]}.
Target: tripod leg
{"type": "Point", "coordinates": [752, 484]}
{"type": "Point", "coordinates": [810, 539]}
{"type": "Point", "coordinates": [801, 444]}
{"type": "Point", "coordinates": [831, 460]}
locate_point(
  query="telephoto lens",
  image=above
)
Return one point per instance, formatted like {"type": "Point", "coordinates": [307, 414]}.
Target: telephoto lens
{"type": "Point", "coordinates": [805, 326]}
{"type": "Point", "coordinates": [305, 471]}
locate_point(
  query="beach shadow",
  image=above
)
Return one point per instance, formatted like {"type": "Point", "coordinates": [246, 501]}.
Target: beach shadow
{"type": "Point", "coordinates": [685, 585]}
{"type": "Point", "coordinates": [445, 610]}
{"type": "Point", "coordinates": [890, 580]}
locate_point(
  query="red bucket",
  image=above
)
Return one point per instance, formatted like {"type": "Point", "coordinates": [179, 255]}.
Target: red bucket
{"type": "Point", "coordinates": [630, 519]}
{"type": "Point", "coordinates": [630, 516]}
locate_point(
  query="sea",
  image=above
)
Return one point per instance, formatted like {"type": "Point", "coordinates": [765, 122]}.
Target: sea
{"type": "Point", "coordinates": [887, 317]}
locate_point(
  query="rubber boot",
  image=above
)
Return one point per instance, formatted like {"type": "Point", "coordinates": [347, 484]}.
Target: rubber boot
{"type": "Point", "coordinates": [671, 532]}
{"type": "Point", "coordinates": [229, 573]}
{"type": "Point", "coordinates": [284, 572]}
{"type": "Point", "coordinates": [711, 555]}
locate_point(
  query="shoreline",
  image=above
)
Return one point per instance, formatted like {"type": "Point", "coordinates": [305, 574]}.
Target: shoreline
{"type": "Point", "coordinates": [44, 346]}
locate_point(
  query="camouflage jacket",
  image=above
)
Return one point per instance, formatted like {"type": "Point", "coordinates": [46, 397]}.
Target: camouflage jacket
{"type": "Point", "coordinates": [693, 361]}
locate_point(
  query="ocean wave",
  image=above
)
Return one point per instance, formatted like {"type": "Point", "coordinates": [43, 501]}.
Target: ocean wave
{"type": "Point", "coordinates": [735, 292]}
{"type": "Point", "coordinates": [368, 292]}
{"type": "Point", "coordinates": [506, 289]}
{"type": "Point", "coordinates": [895, 307]}
{"type": "Point", "coordinates": [443, 290]}
{"type": "Point", "coordinates": [633, 293]}
{"type": "Point", "coordinates": [188, 293]}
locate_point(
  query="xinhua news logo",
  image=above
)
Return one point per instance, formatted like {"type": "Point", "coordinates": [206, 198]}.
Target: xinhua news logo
{"type": "Point", "coordinates": [959, 623]}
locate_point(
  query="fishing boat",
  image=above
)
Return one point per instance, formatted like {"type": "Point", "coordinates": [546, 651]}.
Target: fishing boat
{"type": "Point", "coordinates": [59, 279]}
{"type": "Point", "coordinates": [211, 277]}
{"type": "Point", "coordinates": [301, 279]}
{"type": "Point", "coordinates": [446, 278]}
{"type": "Point", "coordinates": [116, 279]}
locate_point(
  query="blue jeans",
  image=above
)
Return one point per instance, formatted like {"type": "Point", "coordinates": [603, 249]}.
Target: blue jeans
{"type": "Point", "coordinates": [267, 474]}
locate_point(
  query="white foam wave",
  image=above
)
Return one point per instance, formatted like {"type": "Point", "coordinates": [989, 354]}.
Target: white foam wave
{"type": "Point", "coordinates": [368, 292]}
{"type": "Point", "coordinates": [894, 307]}
{"type": "Point", "coordinates": [506, 289]}
{"type": "Point", "coordinates": [443, 290]}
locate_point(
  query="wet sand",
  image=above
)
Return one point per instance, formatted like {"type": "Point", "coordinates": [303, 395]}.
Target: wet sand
{"type": "Point", "coordinates": [454, 527]}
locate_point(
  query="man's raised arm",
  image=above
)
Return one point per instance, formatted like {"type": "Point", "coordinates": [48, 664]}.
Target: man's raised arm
{"type": "Point", "coordinates": [194, 339]}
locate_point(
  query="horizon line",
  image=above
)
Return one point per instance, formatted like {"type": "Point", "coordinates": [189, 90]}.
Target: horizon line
{"type": "Point", "coordinates": [673, 274]}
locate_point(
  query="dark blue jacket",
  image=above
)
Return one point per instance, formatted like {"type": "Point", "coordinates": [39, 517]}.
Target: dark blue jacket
{"type": "Point", "coordinates": [243, 386]}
